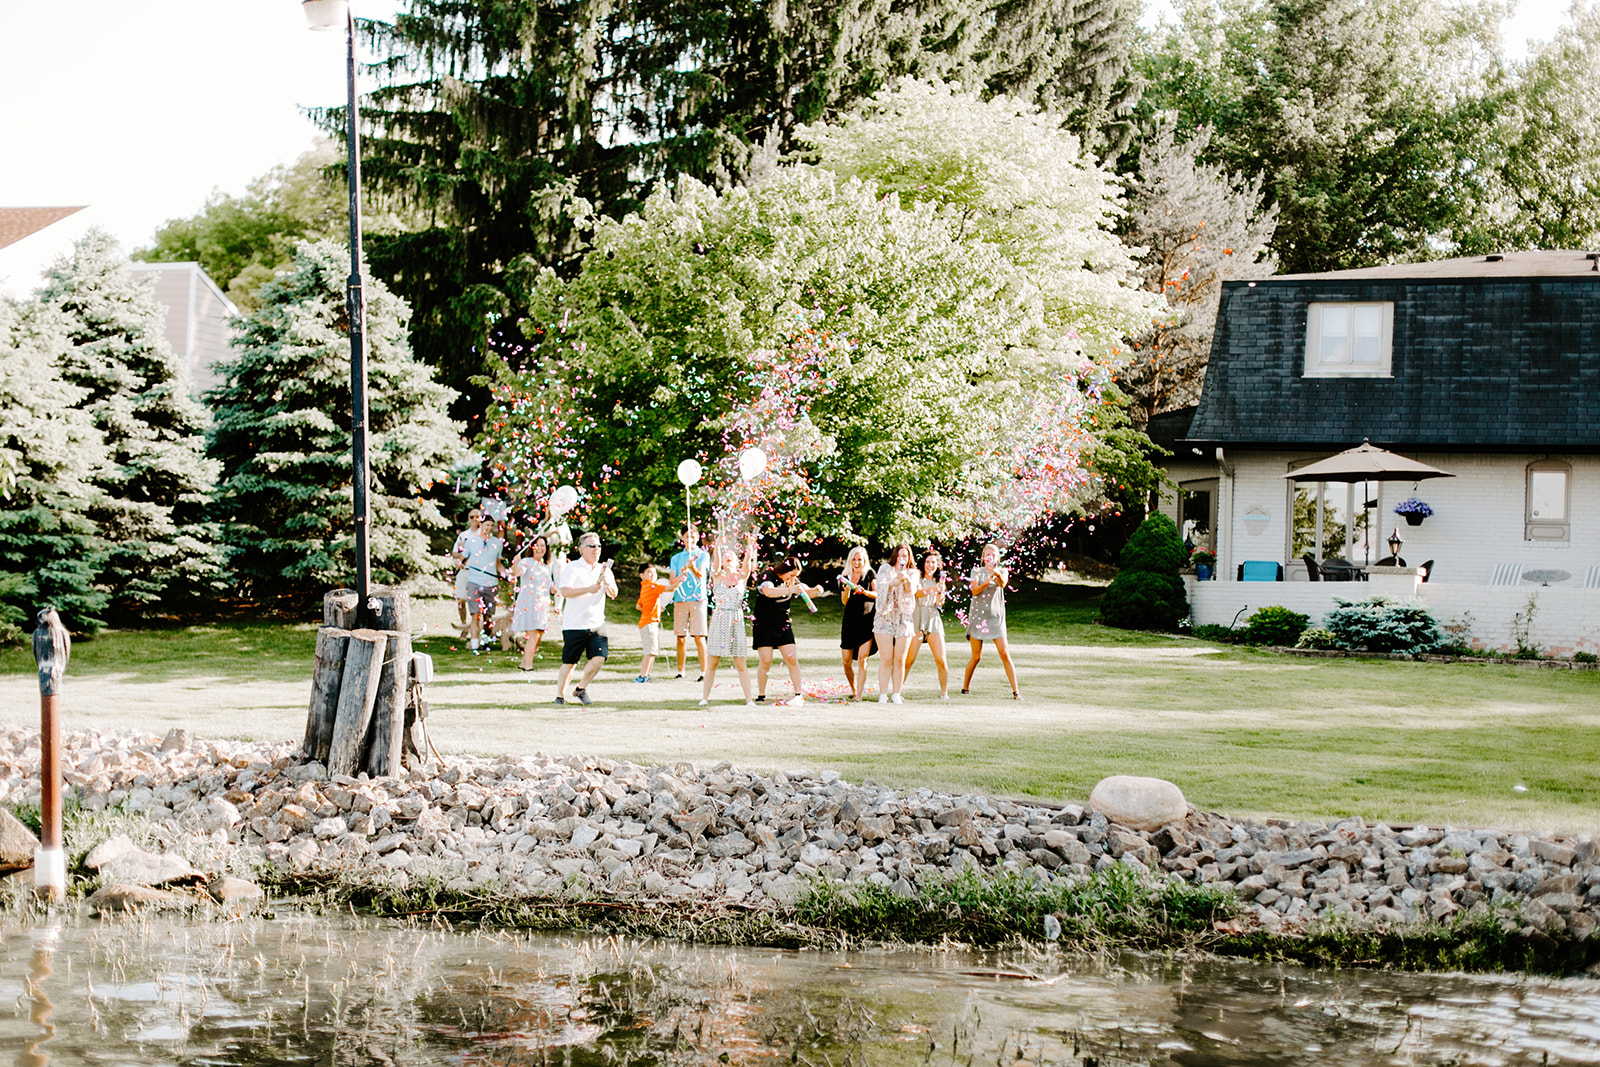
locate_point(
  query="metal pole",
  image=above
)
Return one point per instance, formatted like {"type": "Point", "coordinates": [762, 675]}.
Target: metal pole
{"type": "Point", "coordinates": [52, 646]}
{"type": "Point", "coordinates": [355, 308]}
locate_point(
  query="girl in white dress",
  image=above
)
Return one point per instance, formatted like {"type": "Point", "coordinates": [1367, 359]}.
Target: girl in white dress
{"type": "Point", "coordinates": [725, 633]}
{"type": "Point", "coordinates": [531, 616]}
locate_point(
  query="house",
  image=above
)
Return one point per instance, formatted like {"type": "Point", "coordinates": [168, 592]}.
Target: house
{"type": "Point", "coordinates": [1485, 367]}
{"type": "Point", "coordinates": [198, 315]}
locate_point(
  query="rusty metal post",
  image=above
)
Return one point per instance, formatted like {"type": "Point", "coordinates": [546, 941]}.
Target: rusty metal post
{"type": "Point", "coordinates": [52, 646]}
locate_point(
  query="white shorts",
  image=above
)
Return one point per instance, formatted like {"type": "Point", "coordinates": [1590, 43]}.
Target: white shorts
{"type": "Point", "coordinates": [649, 638]}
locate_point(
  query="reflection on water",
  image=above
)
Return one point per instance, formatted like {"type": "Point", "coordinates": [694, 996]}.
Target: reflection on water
{"type": "Point", "coordinates": [343, 991]}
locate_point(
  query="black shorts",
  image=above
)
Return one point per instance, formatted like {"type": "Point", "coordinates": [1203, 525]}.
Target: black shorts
{"type": "Point", "coordinates": [766, 635]}
{"type": "Point", "coordinates": [582, 645]}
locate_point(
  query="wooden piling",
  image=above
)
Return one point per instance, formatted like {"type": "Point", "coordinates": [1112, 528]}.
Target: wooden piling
{"type": "Point", "coordinates": [358, 692]}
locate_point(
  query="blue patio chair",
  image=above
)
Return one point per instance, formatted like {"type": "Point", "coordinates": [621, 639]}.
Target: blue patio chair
{"type": "Point", "coordinates": [1260, 570]}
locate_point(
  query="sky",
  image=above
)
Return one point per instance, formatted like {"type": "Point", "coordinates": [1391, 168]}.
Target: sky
{"type": "Point", "coordinates": [140, 110]}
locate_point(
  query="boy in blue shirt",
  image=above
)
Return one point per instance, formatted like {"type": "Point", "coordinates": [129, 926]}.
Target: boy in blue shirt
{"type": "Point", "coordinates": [689, 568]}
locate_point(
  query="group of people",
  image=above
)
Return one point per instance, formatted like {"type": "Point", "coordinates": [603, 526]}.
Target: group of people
{"type": "Point", "coordinates": [892, 611]}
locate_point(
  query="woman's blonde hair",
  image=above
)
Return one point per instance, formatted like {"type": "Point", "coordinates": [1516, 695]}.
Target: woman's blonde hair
{"type": "Point", "coordinates": [861, 551]}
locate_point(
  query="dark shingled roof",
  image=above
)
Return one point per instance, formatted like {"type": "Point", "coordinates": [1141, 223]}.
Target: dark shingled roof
{"type": "Point", "coordinates": [1488, 355]}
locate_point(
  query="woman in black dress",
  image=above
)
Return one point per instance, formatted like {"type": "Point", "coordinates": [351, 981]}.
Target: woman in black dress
{"type": "Point", "coordinates": [856, 588]}
{"type": "Point", "coordinates": [775, 592]}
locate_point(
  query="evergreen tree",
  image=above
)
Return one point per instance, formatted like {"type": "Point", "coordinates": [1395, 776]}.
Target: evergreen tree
{"type": "Point", "coordinates": [153, 491]}
{"type": "Point", "coordinates": [1147, 593]}
{"type": "Point", "coordinates": [50, 553]}
{"type": "Point", "coordinates": [282, 437]}
{"type": "Point", "coordinates": [1201, 226]}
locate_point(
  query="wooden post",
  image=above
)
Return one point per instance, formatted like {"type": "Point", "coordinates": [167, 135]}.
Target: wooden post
{"type": "Point", "coordinates": [358, 689]}
{"type": "Point", "coordinates": [384, 740]}
{"type": "Point", "coordinates": [339, 608]}
{"type": "Point", "coordinates": [388, 609]}
{"type": "Point", "coordinates": [52, 647]}
{"type": "Point", "coordinates": [326, 672]}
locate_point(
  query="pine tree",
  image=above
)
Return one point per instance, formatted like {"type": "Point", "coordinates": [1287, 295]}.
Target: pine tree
{"type": "Point", "coordinates": [1202, 226]}
{"type": "Point", "coordinates": [154, 489]}
{"type": "Point", "coordinates": [282, 437]}
{"type": "Point", "coordinates": [50, 553]}
{"type": "Point", "coordinates": [1147, 593]}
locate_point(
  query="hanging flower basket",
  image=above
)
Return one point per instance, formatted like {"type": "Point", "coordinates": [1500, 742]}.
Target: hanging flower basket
{"type": "Point", "coordinates": [1413, 511]}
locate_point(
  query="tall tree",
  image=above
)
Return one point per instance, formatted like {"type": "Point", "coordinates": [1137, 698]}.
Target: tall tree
{"type": "Point", "coordinates": [1200, 226]}
{"type": "Point", "coordinates": [50, 553]}
{"type": "Point", "coordinates": [521, 119]}
{"type": "Point", "coordinates": [282, 437]}
{"type": "Point", "coordinates": [154, 488]}
{"type": "Point", "coordinates": [1360, 116]}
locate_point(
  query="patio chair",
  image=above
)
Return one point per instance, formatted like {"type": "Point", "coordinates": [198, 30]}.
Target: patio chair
{"type": "Point", "coordinates": [1339, 570]}
{"type": "Point", "coordinates": [1313, 572]}
{"type": "Point", "coordinates": [1260, 570]}
{"type": "Point", "coordinates": [1426, 569]}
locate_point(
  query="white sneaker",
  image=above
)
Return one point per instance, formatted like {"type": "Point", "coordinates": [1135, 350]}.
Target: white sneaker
{"type": "Point", "coordinates": [894, 698]}
{"type": "Point", "coordinates": [883, 698]}
{"type": "Point", "coordinates": [795, 701]}
{"type": "Point", "coordinates": [749, 703]}
{"type": "Point", "coordinates": [704, 703]}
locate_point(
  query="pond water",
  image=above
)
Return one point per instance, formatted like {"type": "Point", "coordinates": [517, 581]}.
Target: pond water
{"type": "Point", "coordinates": [306, 989]}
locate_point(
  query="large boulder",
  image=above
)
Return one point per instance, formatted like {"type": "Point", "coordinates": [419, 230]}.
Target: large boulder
{"type": "Point", "coordinates": [119, 860]}
{"type": "Point", "coordinates": [17, 844]}
{"type": "Point", "coordinates": [1139, 803]}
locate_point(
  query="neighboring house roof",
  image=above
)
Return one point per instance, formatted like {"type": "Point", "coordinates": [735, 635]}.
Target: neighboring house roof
{"type": "Point", "coordinates": [1487, 353]}
{"type": "Point", "coordinates": [198, 317]}
{"type": "Point", "coordinates": [19, 222]}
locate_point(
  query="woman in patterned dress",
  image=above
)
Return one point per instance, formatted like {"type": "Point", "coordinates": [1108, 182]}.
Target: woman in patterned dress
{"type": "Point", "coordinates": [531, 615]}
{"type": "Point", "coordinates": [892, 627]}
{"type": "Point", "coordinates": [927, 624]}
{"type": "Point", "coordinates": [725, 633]}
{"type": "Point", "coordinates": [986, 620]}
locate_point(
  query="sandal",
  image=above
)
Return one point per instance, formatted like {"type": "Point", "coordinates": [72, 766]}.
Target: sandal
{"type": "Point", "coordinates": [1015, 695]}
{"type": "Point", "coordinates": [964, 692]}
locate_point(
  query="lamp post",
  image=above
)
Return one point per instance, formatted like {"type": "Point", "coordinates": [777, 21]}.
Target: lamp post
{"type": "Point", "coordinates": [331, 15]}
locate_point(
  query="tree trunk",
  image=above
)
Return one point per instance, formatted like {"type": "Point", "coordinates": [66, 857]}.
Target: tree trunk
{"type": "Point", "coordinates": [385, 739]}
{"type": "Point", "coordinates": [358, 689]}
{"type": "Point", "coordinates": [332, 646]}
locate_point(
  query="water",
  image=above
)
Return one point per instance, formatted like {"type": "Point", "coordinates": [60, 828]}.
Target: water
{"type": "Point", "coordinates": [298, 989]}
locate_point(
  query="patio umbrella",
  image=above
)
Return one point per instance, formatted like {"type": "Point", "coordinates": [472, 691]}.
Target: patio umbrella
{"type": "Point", "coordinates": [1367, 463]}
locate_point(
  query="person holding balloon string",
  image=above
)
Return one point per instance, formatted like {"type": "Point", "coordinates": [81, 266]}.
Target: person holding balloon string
{"type": "Point", "coordinates": [690, 568]}
{"type": "Point", "coordinates": [893, 621]}
{"type": "Point", "coordinates": [773, 629]}
{"type": "Point", "coordinates": [484, 570]}
{"type": "Point", "coordinates": [927, 623]}
{"type": "Point", "coordinates": [465, 545]}
{"type": "Point", "coordinates": [986, 619]}
{"type": "Point", "coordinates": [726, 638]}
{"type": "Point", "coordinates": [856, 642]}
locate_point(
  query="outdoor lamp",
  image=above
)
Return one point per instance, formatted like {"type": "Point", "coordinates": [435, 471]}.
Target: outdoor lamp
{"type": "Point", "coordinates": [326, 14]}
{"type": "Point", "coordinates": [331, 15]}
{"type": "Point", "coordinates": [1395, 541]}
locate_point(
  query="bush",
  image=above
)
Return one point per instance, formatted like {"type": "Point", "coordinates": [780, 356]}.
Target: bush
{"type": "Point", "coordinates": [1275, 625]}
{"type": "Point", "coordinates": [1148, 594]}
{"type": "Point", "coordinates": [1223, 635]}
{"type": "Point", "coordinates": [1317, 638]}
{"type": "Point", "coordinates": [1585, 657]}
{"type": "Point", "coordinates": [1381, 624]}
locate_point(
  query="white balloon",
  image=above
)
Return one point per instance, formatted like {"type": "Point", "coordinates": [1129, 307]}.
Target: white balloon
{"type": "Point", "coordinates": [751, 463]}
{"type": "Point", "coordinates": [689, 472]}
{"type": "Point", "coordinates": [563, 500]}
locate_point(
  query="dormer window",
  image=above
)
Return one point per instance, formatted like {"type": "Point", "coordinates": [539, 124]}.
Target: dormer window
{"type": "Point", "coordinates": [1349, 340]}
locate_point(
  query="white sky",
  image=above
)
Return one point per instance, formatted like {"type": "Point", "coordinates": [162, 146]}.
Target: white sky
{"type": "Point", "coordinates": [140, 108]}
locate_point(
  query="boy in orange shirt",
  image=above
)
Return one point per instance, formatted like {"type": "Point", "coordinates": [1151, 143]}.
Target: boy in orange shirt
{"type": "Point", "coordinates": [652, 591]}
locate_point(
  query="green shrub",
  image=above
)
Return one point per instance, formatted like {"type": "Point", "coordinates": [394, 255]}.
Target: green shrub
{"type": "Point", "coordinates": [1380, 624]}
{"type": "Point", "coordinates": [1275, 625]}
{"type": "Point", "coordinates": [1585, 657]}
{"type": "Point", "coordinates": [1148, 594]}
{"type": "Point", "coordinates": [1317, 638]}
{"type": "Point", "coordinates": [1223, 635]}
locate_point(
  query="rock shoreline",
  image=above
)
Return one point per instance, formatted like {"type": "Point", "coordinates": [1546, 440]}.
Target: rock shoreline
{"type": "Point", "coordinates": [539, 827]}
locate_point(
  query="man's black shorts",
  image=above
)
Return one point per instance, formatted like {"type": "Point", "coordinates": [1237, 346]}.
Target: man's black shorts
{"type": "Point", "coordinates": [580, 646]}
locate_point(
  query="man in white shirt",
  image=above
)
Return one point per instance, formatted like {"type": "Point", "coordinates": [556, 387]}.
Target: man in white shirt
{"type": "Point", "coordinates": [585, 583]}
{"type": "Point", "coordinates": [467, 541]}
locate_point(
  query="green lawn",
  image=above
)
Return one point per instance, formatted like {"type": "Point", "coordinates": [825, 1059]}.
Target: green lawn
{"type": "Point", "coordinates": [1242, 731]}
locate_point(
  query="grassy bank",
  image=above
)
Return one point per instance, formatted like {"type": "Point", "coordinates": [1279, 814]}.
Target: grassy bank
{"type": "Point", "coordinates": [1243, 731]}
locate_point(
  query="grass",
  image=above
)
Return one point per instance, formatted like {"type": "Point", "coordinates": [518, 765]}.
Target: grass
{"type": "Point", "coordinates": [1243, 731]}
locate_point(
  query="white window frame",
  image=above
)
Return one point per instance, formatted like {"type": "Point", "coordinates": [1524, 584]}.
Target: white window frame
{"type": "Point", "coordinates": [1315, 368]}
{"type": "Point", "coordinates": [1547, 528]}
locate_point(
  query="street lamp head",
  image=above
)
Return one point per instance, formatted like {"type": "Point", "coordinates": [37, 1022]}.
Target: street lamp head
{"type": "Point", "coordinates": [1395, 542]}
{"type": "Point", "coordinates": [326, 14]}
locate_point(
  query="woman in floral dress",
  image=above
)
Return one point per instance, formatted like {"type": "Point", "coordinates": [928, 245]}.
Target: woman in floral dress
{"type": "Point", "coordinates": [894, 621]}
{"type": "Point", "coordinates": [531, 615]}
{"type": "Point", "coordinates": [725, 634]}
